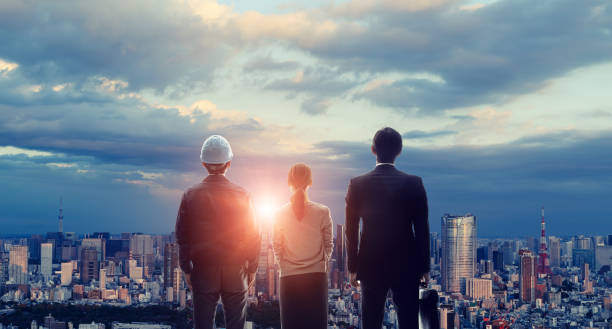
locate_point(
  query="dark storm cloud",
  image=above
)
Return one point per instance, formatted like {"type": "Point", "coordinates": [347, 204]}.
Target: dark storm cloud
{"type": "Point", "coordinates": [417, 134]}
{"type": "Point", "coordinates": [124, 131]}
{"type": "Point", "coordinates": [482, 56]}
{"type": "Point", "coordinates": [269, 64]}
{"type": "Point", "coordinates": [152, 44]}
{"type": "Point", "coordinates": [320, 84]}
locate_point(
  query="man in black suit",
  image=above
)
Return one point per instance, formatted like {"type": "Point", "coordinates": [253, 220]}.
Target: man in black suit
{"type": "Point", "coordinates": [392, 252]}
{"type": "Point", "coordinates": [218, 240]}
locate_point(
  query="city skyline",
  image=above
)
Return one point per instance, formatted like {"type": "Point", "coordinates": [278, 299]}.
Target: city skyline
{"type": "Point", "coordinates": [107, 105]}
{"type": "Point", "coordinates": [481, 282]}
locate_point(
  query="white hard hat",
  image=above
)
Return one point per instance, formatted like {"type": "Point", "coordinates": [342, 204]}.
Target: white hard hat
{"type": "Point", "coordinates": [216, 150]}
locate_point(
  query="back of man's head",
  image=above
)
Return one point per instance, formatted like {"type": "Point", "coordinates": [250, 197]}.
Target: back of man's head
{"type": "Point", "coordinates": [387, 145]}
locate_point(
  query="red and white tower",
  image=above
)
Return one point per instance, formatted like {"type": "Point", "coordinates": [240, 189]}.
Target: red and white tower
{"type": "Point", "coordinates": [543, 262]}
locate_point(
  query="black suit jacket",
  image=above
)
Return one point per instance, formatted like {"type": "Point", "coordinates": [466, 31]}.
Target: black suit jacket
{"type": "Point", "coordinates": [394, 236]}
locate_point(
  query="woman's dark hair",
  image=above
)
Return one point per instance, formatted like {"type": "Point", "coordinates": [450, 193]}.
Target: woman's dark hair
{"type": "Point", "coordinates": [300, 178]}
{"type": "Point", "coordinates": [387, 144]}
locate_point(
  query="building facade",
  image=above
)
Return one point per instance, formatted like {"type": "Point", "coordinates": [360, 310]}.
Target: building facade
{"type": "Point", "coordinates": [527, 280]}
{"type": "Point", "coordinates": [458, 251]}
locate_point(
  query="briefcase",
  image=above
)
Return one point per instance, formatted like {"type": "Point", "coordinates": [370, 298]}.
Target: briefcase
{"type": "Point", "coordinates": [429, 318]}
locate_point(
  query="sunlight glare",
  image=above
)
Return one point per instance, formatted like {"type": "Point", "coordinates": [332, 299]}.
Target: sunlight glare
{"type": "Point", "coordinates": [265, 210]}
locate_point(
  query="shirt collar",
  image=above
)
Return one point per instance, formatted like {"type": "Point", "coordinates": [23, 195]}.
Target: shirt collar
{"type": "Point", "coordinates": [385, 163]}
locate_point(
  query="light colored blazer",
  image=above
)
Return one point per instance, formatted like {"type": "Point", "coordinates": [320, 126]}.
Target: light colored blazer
{"type": "Point", "coordinates": [303, 246]}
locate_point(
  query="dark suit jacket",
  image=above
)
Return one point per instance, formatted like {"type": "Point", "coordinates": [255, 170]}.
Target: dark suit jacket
{"type": "Point", "coordinates": [395, 229]}
{"type": "Point", "coordinates": [216, 231]}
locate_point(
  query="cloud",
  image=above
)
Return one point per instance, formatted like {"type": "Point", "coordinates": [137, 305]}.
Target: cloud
{"type": "Point", "coordinates": [132, 130]}
{"type": "Point", "coordinates": [505, 184]}
{"type": "Point", "coordinates": [269, 64]}
{"type": "Point", "coordinates": [484, 56]}
{"type": "Point", "coordinates": [316, 106]}
{"type": "Point", "coordinates": [146, 44]}
{"type": "Point", "coordinates": [6, 67]}
{"type": "Point", "coordinates": [417, 134]}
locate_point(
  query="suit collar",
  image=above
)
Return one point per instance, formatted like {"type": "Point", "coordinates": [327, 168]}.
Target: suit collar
{"type": "Point", "coordinates": [215, 178]}
{"type": "Point", "coordinates": [384, 167]}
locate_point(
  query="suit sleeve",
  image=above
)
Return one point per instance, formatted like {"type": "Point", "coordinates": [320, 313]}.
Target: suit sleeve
{"type": "Point", "coordinates": [253, 240]}
{"type": "Point", "coordinates": [182, 229]}
{"type": "Point", "coordinates": [328, 235]}
{"type": "Point", "coordinates": [421, 229]}
{"type": "Point", "coordinates": [352, 228]}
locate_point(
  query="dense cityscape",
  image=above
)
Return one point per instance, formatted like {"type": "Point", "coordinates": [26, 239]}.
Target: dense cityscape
{"type": "Point", "coordinates": [488, 283]}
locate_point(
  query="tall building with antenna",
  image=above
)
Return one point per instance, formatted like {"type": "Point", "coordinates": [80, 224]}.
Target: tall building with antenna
{"type": "Point", "coordinates": [60, 218]}
{"type": "Point", "coordinates": [543, 261]}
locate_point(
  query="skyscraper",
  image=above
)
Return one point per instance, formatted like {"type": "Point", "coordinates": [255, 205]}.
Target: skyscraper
{"type": "Point", "coordinates": [102, 279]}
{"type": "Point", "coordinates": [95, 243]}
{"type": "Point", "coordinates": [18, 264]}
{"type": "Point", "coordinates": [141, 249]}
{"type": "Point", "coordinates": [498, 260]}
{"type": "Point", "coordinates": [66, 276]}
{"type": "Point", "coordinates": [527, 276]}
{"type": "Point", "coordinates": [458, 250]}
{"type": "Point", "coordinates": [171, 261]}
{"type": "Point", "coordinates": [554, 251]}
{"type": "Point", "coordinates": [46, 259]}
{"type": "Point", "coordinates": [434, 247]}
{"type": "Point", "coordinates": [340, 257]}
{"type": "Point", "coordinates": [90, 269]}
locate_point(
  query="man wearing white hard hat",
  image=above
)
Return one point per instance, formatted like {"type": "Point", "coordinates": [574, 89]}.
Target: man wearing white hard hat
{"type": "Point", "coordinates": [218, 240]}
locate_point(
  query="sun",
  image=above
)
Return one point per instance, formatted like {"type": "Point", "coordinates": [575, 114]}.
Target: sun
{"type": "Point", "coordinates": [265, 209]}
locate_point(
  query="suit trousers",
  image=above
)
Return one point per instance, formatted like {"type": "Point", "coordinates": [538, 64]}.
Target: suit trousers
{"type": "Point", "coordinates": [228, 282]}
{"type": "Point", "coordinates": [405, 292]}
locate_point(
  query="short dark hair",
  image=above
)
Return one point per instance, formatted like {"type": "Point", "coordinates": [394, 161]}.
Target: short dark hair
{"type": "Point", "coordinates": [387, 144]}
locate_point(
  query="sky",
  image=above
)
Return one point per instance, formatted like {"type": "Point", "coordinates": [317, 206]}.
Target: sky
{"type": "Point", "coordinates": [504, 106]}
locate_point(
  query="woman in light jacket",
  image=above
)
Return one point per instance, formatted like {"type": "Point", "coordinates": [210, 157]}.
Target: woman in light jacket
{"type": "Point", "coordinates": [303, 246]}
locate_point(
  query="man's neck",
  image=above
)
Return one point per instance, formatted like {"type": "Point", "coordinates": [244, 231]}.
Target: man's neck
{"type": "Point", "coordinates": [384, 163]}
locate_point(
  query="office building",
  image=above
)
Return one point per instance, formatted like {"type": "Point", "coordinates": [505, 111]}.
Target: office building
{"type": "Point", "coordinates": [141, 249]}
{"type": "Point", "coordinates": [34, 242]}
{"type": "Point", "coordinates": [554, 251]}
{"type": "Point", "coordinates": [98, 244]}
{"type": "Point", "coordinates": [66, 274]}
{"type": "Point", "coordinates": [482, 253]}
{"type": "Point", "coordinates": [498, 260]}
{"type": "Point", "coordinates": [478, 288]}
{"type": "Point", "coordinates": [89, 265]}
{"type": "Point", "coordinates": [46, 260]}
{"type": "Point", "coordinates": [171, 262]}
{"type": "Point", "coordinates": [581, 256]}
{"type": "Point", "coordinates": [527, 280]}
{"type": "Point", "coordinates": [458, 250]}
{"type": "Point", "coordinates": [18, 264]}
{"type": "Point", "coordinates": [603, 257]}
{"type": "Point", "coordinates": [102, 279]}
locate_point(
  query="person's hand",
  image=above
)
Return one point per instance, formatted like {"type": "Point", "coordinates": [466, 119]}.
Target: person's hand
{"type": "Point", "coordinates": [425, 279]}
{"type": "Point", "coordinates": [251, 279]}
{"type": "Point", "coordinates": [188, 280]}
{"type": "Point", "coordinates": [353, 279]}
